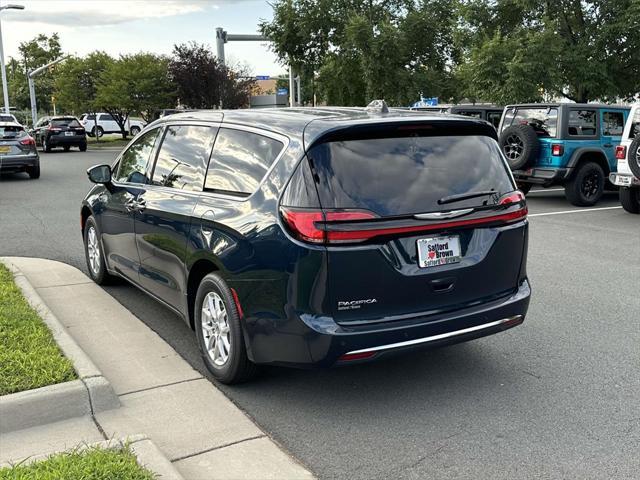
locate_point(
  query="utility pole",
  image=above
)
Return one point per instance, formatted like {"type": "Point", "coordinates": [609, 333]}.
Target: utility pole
{"type": "Point", "coordinates": [32, 88]}
{"type": "Point", "coordinates": [5, 91]}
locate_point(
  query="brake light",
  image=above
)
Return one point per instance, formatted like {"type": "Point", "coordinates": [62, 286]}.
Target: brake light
{"type": "Point", "coordinates": [621, 152]}
{"type": "Point", "coordinates": [53, 129]}
{"type": "Point", "coordinates": [557, 150]}
{"type": "Point", "coordinates": [338, 227]}
{"type": "Point", "coordinates": [28, 141]}
{"type": "Point", "coordinates": [356, 356]}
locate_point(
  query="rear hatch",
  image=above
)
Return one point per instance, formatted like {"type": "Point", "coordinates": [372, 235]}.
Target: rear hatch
{"type": "Point", "coordinates": [418, 219]}
{"type": "Point", "coordinates": [66, 127]}
{"type": "Point", "coordinates": [14, 141]}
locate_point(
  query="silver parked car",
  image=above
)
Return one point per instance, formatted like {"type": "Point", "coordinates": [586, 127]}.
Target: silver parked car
{"type": "Point", "coordinates": [18, 151]}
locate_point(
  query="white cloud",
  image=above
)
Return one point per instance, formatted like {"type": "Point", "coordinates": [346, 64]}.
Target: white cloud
{"type": "Point", "coordinates": [91, 13]}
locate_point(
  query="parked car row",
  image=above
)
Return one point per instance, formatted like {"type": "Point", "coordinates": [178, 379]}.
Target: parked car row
{"type": "Point", "coordinates": [107, 124]}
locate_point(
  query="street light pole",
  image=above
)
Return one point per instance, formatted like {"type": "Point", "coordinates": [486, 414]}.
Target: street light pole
{"type": "Point", "coordinates": [5, 92]}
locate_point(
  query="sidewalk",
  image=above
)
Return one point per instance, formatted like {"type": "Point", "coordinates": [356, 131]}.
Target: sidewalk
{"type": "Point", "coordinates": [202, 433]}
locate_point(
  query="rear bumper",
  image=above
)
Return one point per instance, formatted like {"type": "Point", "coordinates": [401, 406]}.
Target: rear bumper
{"type": "Point", "coordinates": [322, 342]}
{"type": "Point", "coordinates": [57, 140]}
{"type": "Point", "coordinates": [624, 180]}
{"type": "Point", "coordinates": [17, 163]}
{"type": "Point", "coordinates": [542, 176]}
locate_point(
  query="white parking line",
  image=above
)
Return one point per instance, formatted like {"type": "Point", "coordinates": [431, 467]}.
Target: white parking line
{"type": "Point", "coordinates": [582, 210]}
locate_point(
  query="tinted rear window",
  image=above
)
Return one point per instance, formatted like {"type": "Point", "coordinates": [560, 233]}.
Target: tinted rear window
{"type": "Point", "coordinates": [65, 122]}
{"type": "Point", "coordinates": [405, 175]}
{"type": "Point", "coordinates": [11, 131]}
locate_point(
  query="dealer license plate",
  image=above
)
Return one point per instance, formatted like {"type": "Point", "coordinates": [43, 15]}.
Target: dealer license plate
{"type": "Point", "coordinates": [5, 149]}
{"type": "Point", "coordinates": [438, 251]}
{"type": "Point", "coordinates": [69, 134]}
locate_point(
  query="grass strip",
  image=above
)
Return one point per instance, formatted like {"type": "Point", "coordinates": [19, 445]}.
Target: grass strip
{"type": "Point", "coordinates": [29, 356]}
{"type": "Point", "coordinates": [92, 463]}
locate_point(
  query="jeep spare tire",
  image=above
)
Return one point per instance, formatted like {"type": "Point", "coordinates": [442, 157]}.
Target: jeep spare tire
{"type": "Point", "coordinates": [520, 145]}
{"type": "Point", "coordinates": [634, 157]}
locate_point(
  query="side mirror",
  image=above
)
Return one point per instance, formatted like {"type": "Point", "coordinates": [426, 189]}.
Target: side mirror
{"type": "Point", "coordinates": [100, 174]}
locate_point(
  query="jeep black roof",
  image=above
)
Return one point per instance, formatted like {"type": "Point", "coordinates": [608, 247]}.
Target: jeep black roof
{"type": "Point", "coordinates": [312, 122]}
{"type": "Point", "coordinates": [564, 104]}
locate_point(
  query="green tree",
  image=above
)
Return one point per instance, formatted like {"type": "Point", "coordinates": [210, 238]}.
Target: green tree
{"type": "Point", "coordinates": [76, 82]}
{"type": "Point", "coordinates": [137, 83]}
{"type": "Point", "coordinates": [35, 53]}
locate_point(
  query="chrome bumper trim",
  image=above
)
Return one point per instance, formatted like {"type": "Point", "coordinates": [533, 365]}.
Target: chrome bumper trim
{"type": "Point", "coordinates": [433, 338]}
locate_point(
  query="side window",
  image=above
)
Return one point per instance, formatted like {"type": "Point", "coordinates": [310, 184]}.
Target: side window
{"type": "Point", "coordinates": [240, 161]}
{"type": "Point", "coordinates": [612, 123]}
{"type": "Point", "coordinates": [105, 117]}
{"type": "Point", "coordinates": [470, 113]}
{"type": "Point", "coordinates": [635, 126]}
{"type": "Point", "coordinates": [133, 162]}
{"type": "Point", "coordinates": [494, 118]}
{"type": "Point", "coordinates": [183, 157]}
{"type": "Point", "coordinates": [582, 123]}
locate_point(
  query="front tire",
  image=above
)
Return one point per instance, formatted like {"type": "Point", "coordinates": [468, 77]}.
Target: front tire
{"type": "Point", "coordinates": [45, 146]}
{"type": "Point", "coordinates": [94, 254]}
{"type": "Point", "coordinates": [66, 148]}
{"type": "Point", "coordinates": [630, 199]}
{"type": "Point", "coordinates": [586, 186]}
{"type": "Point", "coordinates": [134, 131]}
{"type": "Point", "coordinates": [219, 333]}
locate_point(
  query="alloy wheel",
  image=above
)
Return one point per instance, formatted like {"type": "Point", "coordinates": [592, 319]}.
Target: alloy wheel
{"type": "Point", "coordinates": [513, 147]}
{"type": "Point", "coordinates": [93, 250]}
{"type": "Point", "coordinates": [215, 329]}
{"type": "Point", "coordinates": [590, 185]}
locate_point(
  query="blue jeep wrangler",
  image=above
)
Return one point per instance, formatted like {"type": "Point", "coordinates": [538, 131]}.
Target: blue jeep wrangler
{"type": "Point", "coordinates": [567, 144]}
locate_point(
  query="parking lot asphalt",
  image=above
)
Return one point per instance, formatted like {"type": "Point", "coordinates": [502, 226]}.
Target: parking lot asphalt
{"type": "Point", "coordinates": [554, 398]}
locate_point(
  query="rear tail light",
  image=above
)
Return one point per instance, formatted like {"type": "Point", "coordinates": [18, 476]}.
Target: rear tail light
{"type": "Point", "coordinates": [621, 152]}
{"type": "Point", "coordinates": [351, 226]}
{"type": "Point", "coordinates": [53, 129]}
{"type": "Point", "coordinates": [557, 150]}
{"type": "Point", "coordinates": [348, 357]}
{"type": "Point", "coordinates": [28, 141]}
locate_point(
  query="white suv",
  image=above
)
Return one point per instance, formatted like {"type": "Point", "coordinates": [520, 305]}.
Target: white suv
{"type": "Point", "coordinates": [108, 124]}
{"type": "Point", "coordinates": [628, 155]}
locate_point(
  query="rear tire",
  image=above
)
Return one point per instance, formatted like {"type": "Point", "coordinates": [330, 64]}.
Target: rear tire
{"type": "Point", "coordinates": [520, 146]}
{"type": "Point", "coordinates": [94, 254]}
{"type": "Point", "coordinates": [633, 157]}
{"type": "Point", "coordinates": [586, 186]}
{"type": "Point", "coordinates": [83, 147]}
{"type": "Point", "coordinates": [630, 199]}
{"type": "Point", "coordinates": [66, 148]}
{"type": "Point", "coordinates": [219, 333]}
{"type": "Point", "coordinates": [34, 172]}
{"type": "Point", "coordinates": [99, 131]}
{"type": "Point", "coordinates": [134, 131]}
{"type": "Point", "coordinates": [525, 187]}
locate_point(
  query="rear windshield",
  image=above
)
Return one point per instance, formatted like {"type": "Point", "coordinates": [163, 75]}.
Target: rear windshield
{"type": "Point", "coordinates": [543, 120]}
{"type": "Point", "coordinates": [65, 122]}
{"type": "Point", "coordinates": [7, 118]}
{"type": "Point", "coordinates": [406, 175]}
{"type": "Point", "coordinates": [11, 131]}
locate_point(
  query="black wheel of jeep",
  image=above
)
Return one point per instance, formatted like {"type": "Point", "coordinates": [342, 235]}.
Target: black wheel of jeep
{"type": "Point", "coordinates": [633, 157]}
{"type": "Point", "coordinates": [524, 187]}
{"type": "Point", "coordinates": [630, 199]}
{"type": "Point", "coordinates": [520, 145]}
{"type": "Point", "coordinates": [586, 186]}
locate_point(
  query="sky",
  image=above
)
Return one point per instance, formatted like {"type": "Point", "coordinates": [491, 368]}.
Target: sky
{"type": "Point", "coordinates": [129, 26]}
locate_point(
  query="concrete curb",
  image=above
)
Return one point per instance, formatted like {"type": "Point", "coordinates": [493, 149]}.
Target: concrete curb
{"type": "Point", "coordinates": [89, 394]}
{"type": "Point", "coordinates": [147, 453]}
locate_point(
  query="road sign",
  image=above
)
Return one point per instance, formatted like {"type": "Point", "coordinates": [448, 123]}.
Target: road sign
{"type": "Point", "coordinates": [263, 77]}
{"type": "Point", "coordinates": [283, 91]}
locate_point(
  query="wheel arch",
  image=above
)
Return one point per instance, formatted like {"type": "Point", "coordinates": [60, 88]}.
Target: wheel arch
{"type": "Point", "coordinates": [85, 212]}
{"type": "Point", "coordinates": [583, 155]}
{"type": "Point", "coordinates": [200, 269]}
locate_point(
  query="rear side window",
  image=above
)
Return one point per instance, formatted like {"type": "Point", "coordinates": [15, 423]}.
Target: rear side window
{"type": "Point", "coordinates": [470, 113]}
{"type": "Point", "coordinates": [582, 123]}
{"type": "Point", "coordinates": [612, 123]}
{"type": "Point", "coordinates": [133, 162]}
{"type": "Point", "coordinates": [494, 118]}
{"type": "Point", "coordinates": [407, 175]}
{"type": "Point", "coordinates": [65, 122]}
{"type": "Point", "coordinates": [183, 157]}
{"type": "Point", "coordinates": [635, 126]}
{"type": "Point", "coordinates": [106, 118]}
{"type": "Point", "coordinates": [543, 120]}
{"type": "Point", "coordinates": [240, 161]}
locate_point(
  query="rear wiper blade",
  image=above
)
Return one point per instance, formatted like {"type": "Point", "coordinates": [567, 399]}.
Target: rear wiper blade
{"type": "Point", "coordinates": [465, 196]}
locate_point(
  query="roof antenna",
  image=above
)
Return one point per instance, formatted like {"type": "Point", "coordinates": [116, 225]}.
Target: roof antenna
{"type": "Point", "coordinates": [377, 106]}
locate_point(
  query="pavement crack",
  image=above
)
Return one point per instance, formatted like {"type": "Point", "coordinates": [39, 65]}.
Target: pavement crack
{"type": "Point", "coordinates": [184, 457]}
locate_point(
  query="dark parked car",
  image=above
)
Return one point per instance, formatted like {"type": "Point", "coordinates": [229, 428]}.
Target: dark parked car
{"type": "Point", "coordinates": [18, 150]}
{"type": "Point", "coordinates": [62, 131]}
{"type": "Point", "coordinates": [314, 236]}
{"type": "Point", "coordinates": [490, 113]}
